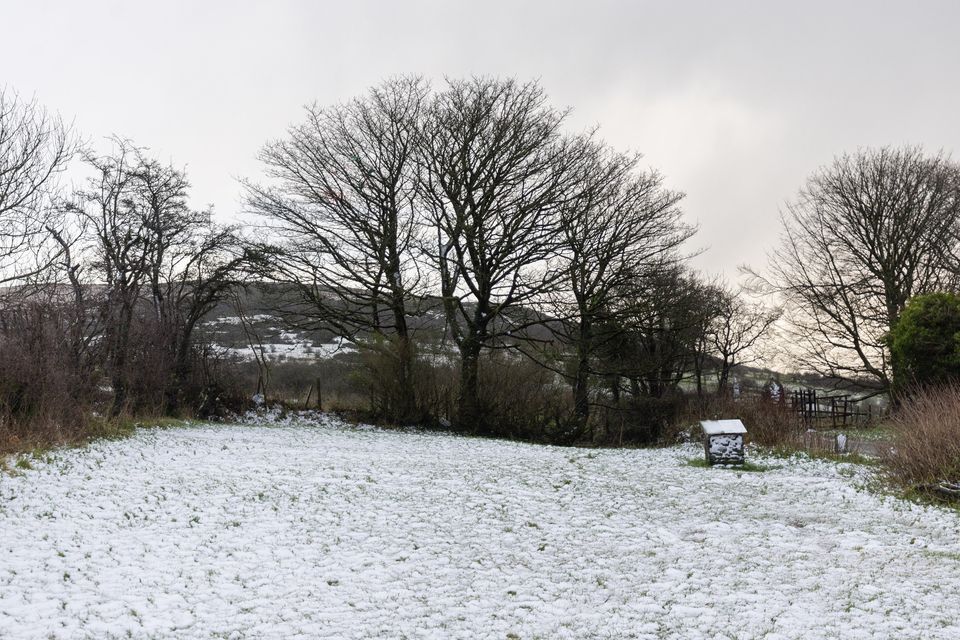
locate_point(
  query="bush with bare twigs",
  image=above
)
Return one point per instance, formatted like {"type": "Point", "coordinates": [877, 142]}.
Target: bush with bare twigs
{"type": "Point", "coordinates": [925, 453]}
{"type": "Point", "coordinates": [44, 395]}
{"type": "Point", "coordinates": [769, 423]}
{"type": "Point", "coordinates": [521, 399]}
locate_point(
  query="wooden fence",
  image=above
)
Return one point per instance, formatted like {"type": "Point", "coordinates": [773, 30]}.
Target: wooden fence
{"type": "Point", "coordinates": [817, 410]}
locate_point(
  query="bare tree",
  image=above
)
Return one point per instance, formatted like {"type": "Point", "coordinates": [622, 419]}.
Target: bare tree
{"type": "Point", "coordinates": [192, 265]}
{"type": "Point", "coordinates": [110, 210]}
{"type": "Point", "coordinates": [495, 174]}
{"type": "Point", "coordinates": [621, 223]}
{"type": "Point", "coordinates": [35, 148]}
{"type": "Point", "coordinates": [255, 343]}
{"type": "Point", "coordinates": [344, 207]}
{"type": "Point", "coordinates": [711, 296]}
{"type": "Point", "coordinates": [736, 332]}
{"type": "Point", "coordinates": [865, 234]}
{"type": "Point", "coordinates": [211, 266]}
{"type": "Point", "coordinates": [79, 308]}
{"type": "Point", "coordinates": [156, 258]}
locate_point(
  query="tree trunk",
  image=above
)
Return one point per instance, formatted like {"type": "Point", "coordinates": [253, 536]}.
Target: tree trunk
{"type": "Point", "coordinates": [179, 374]}
{"type": "Point", "coordinates": [581, 382]}
{"type": "Point", "coordinates": [698, 373]}
{"type": "Point", "coordinates": [615, 390]}
{"type": "Point", "coordinates": [406, 402]}
{"type": "Point", "coordinates": [469, 416]}
{"type": "Point", "coordinates": [119, 396]}
{"type": "Point", "coordinates": [406, 409]}
{"type": "Point", "coordinates": [119, 382]}
{"type": "Point", "coordinates": [118, 362]}
{"type": "Point", "coordinates": [724, 377]}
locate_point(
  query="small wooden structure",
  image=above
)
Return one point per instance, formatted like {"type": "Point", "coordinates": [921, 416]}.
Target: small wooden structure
{"type": "Point", "coordinates": [723, 441]}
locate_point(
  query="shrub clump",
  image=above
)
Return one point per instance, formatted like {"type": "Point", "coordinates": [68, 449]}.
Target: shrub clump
{"type": "Point", "coordinates": [925, 453]}
{"type": "Point", "coordinates": [925, 342]}
{"type": "Point", "coordinates": [769, 423]}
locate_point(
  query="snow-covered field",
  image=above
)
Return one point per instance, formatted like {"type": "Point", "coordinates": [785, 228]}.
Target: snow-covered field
{"type": "Point", "coordinates": [312, 530]}
{"type": "Point", "coordinates": [292, 347]}
{"type": "Point", "coordinates": [276, 344]}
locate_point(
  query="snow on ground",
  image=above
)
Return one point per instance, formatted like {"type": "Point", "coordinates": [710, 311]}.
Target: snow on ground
{"type": "Point", "coordinates": [286, 345]}
{"type": "Point", "coordinates": [293, 347]}
{"type": "Point", "coordinates": [310, 530]}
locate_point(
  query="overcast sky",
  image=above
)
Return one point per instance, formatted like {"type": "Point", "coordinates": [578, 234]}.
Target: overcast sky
{"type": "Point", "coordinates": [735, 102]}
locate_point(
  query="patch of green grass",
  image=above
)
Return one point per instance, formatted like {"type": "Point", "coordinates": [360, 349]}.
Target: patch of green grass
{"type": "Point", "coordinates": [880, 433]}
{"type": "Point", "coordinates": [697, 462]}
{"type": "Point", "coordinates": [125, 426]}
{"type": "Point", "coordinates": [923, 498]}
{"type": "Point", "coordinates": [750, 467]}
{"type": "Point", "coordinates": [851, 458]}
{"type": "Point", "coordinates": [949, 555]}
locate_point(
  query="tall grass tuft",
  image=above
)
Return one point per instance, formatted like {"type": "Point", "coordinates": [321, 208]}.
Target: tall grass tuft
{"type": "Point", "coordinates": [925, 453]}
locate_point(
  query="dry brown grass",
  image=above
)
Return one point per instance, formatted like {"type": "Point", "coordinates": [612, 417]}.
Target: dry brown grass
{"type": "Point", "coordinates": [926, 441]}
{"type": "Point", "coordinates": [768, 423]}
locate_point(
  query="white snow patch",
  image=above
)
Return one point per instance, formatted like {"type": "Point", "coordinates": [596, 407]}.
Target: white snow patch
{"type": "Point", "coordinates": [307, 529]}
{"type": "Point", "coordinates": [259, 317]}
{"type": "Point", "coordinates": [293, 348]}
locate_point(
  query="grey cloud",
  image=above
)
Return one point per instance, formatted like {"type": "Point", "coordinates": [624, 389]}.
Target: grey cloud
{"type": "Point", "coordinates": [736, 102]}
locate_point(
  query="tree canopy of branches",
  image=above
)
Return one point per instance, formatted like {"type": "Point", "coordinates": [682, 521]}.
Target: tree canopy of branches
{"type": "Point", "coordinates": [471, 195]}
{"type": "Point", "coordinates": [35, 148]}
{"type": "Point", "coordinates": [866, 234]}
{"type": "Point", "coordinates": [654, 335]}
{"type": "Point", "coordinates": [343, 206]}
{"type": "Point", "coordinates": [736, 332]}
{"type": "Point", "coordinates": [496, 173]}
{"type": "Point", "coordinates": [620, 225]}
{"type": "Point", "coordinates": [149, 248]}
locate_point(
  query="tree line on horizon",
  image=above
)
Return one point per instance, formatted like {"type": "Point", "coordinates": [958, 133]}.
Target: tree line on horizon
{"type": "Point", "coordinates": [470, 201]}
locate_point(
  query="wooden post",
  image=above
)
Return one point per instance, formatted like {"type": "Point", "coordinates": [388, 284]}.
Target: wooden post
{"type": "Point", "coordinates": [319, 399]}
{"type": "Point", "coordinates": [306, 403]}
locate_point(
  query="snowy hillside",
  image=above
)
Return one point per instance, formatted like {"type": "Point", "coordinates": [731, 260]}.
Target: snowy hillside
{"type": "Point", "coordinates": [316, 529]}
{"type": "Point", "coordinates": [270, 341]}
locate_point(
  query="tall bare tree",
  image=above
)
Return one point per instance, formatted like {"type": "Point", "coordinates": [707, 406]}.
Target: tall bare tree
{"type": "Point", "coordinates": [865, 234]}
{"type": "Point", "coordinates": [495, 174]}
{"type": "Point", "coordinates": [192, 265]}
{"type": "Point", "coordinates": [343, 204]}
{"type": "Point", "coordinates": [620, 224]}
{"type": "Point", "coordinates": [110, 209]}
{"type": "Point", "coordinates": [156, 259]}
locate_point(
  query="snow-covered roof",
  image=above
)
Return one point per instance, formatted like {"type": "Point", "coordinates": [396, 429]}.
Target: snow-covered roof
{"type": "Point", "coordinates": [716, 427]}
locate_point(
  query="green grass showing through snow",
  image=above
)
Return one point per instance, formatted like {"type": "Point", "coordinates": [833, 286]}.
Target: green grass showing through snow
{"type": "Point", "coordinates": [747, 466]}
